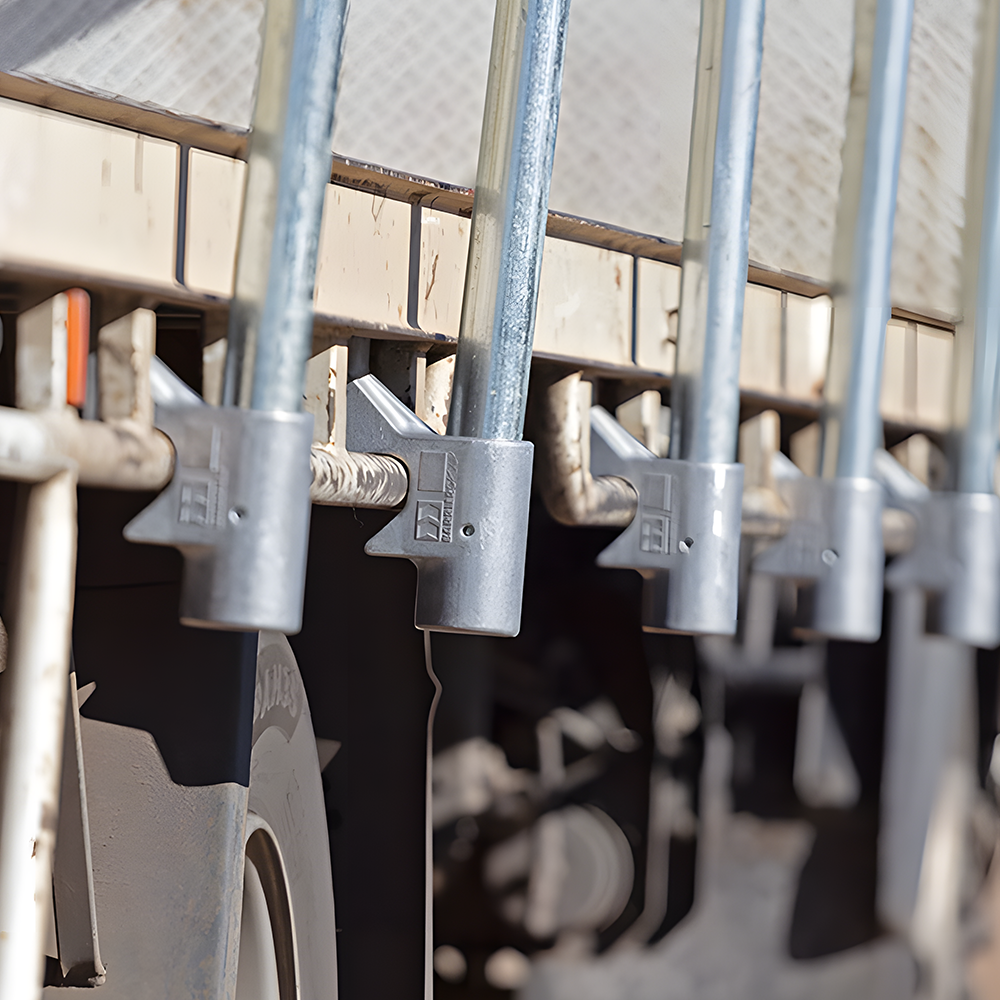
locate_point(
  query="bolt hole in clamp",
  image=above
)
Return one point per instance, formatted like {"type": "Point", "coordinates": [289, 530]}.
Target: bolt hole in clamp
{"type": "Point", "coordinates": [685, 536]}
{"type": "Point", "coordinates": [238, 509]}
{"type": "Point", "coordinates": [464, 523]}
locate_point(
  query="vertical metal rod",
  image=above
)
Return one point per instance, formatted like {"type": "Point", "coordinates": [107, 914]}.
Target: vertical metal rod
{"type": "Point", "coordinates": [260, 201]}
{"type": "Point", "coordinates": [863, 252]}
{"type": "Point", "coordinates": [706, 395]}
{"type": "Point", "coordinates": [270, 330]}
{"type": "Point", "coordinates": [508, 219]}
{"type": "Point", "coordinates": [976, 391]}
{"type": "Point", "coordinates": [34, 690]}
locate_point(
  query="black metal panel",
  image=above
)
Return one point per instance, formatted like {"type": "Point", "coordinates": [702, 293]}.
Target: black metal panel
{"type": "Point", "coordinates": [192, 689]}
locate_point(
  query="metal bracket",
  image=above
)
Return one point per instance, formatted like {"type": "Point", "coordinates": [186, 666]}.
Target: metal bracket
{"type": "Point", "coordinates": [835, 538]}
{"type": "Point", "coordinates": [238, 509]}
{"type": "Point", "coordinates": [464, 523]}
{"type": "Point", "coordinates": [685, 536]}
{"type": "Point", "coordinates": [957, 556]}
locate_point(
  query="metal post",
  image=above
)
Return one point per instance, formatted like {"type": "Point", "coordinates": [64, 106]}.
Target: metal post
{"type": "Point", "coordinates": [970, 605]}
{"type": "Point", "coordinates": [957, 554]}
{"type": "Point", "coordinates": [508, 220]}
{"type": "Point", "coordinates": [863, 249]}
{"type": "Point", "coordinates": [31, 725]}
{"type": "Point", "coordinates": [706, 394]}
{"type": "Point", "coordinates": [926, 798]}
{"type": "Point", "coordinates": [260, 201]}
{"type": "Point", "coordinates": [465, 520]}
{"type": "Point", "coordinates": [929, 762]}
{"type": "Point", "coordinates": [836, 534]}
{"type": "Point", "coordinates": [685, 536]}
{"type": "Point", "coordinates": [976, 394]}
{"type": "Point", "coordinates": [243, 470]}
{"type": "Point", "coordinates": [270, 326]}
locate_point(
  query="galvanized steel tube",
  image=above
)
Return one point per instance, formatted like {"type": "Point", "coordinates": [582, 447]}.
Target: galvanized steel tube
{"type": "Point", "coordinates": [508, 221]}
{"type": "Point", "coordinates": [706, 395]}
{"type": "Point", "coordinates": [976, 394]}
{"type": "Point", "coordinates": [260, 201]}
{"type": "Point", "coordinates": [270, 332]}
{"type": "Point", "coordinates": [854, 379]}
{"type": "Point", "coordinates": [344, 478]}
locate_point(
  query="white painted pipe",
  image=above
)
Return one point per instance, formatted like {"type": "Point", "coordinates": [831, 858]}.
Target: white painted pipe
{"type": "Point", "coordinates": [122, 454]}
{"type": "Point", "coordinates": [571, 494]}
{"type": "Point", "coordinates": [127, 455]}
{"type": "Point", "coordinates": [32, 706]}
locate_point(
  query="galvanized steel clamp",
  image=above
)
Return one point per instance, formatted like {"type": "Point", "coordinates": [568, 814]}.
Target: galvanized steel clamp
{"type": "Point", "coordinates": [957, 557]}
{"type": "Point", "coordinates": [835, 539]}
{"type": "Point", "coordinates": [238, 509]}
{"type": "Point", "coordinates": [685, 536]}
{"type": "Point", "coordinates": [464, 523]}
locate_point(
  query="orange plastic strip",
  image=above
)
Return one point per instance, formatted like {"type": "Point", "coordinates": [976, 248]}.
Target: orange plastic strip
{"type": "Point", "coordinates": [77, 346]}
